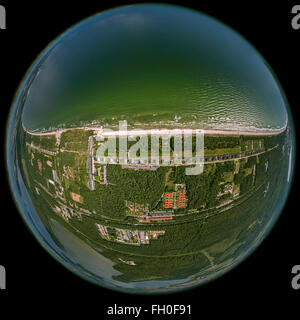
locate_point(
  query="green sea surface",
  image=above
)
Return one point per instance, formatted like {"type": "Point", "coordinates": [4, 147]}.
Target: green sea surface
{"type": "Point", "coordinates": [150, 63]}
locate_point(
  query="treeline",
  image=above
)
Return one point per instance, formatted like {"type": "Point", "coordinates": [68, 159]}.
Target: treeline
{"type": "Point", "coordinates": [137, 186]}
{"type": "Point", "coordinates": [203, 189]}
{"type": "Point", "coordinates": [212, 143]}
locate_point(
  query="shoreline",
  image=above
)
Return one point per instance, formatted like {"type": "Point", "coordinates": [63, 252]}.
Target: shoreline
{"type": "Point", "coordinates": [139, 132]}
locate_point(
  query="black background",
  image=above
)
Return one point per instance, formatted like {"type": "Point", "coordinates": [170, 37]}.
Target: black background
{"type": "Point", "coordinates": [261, 283]}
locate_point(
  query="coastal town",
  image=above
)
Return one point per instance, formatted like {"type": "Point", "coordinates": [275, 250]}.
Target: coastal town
{"type": "Point", "coordinates": [66, 167]}
{"type": "Point", "coordinates": [142, 214]}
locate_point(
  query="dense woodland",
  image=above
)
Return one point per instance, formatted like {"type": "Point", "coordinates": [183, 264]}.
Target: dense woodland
{"type": "Point", "coordinates": [190, 243]}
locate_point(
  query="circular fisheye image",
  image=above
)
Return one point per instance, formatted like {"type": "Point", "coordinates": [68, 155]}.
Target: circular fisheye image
{"type": "Point", "coordinates": [150, 149]}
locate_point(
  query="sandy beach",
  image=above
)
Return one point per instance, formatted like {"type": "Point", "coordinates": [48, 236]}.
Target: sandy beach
{"type": "Point", "coordinates": [140, 132]}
